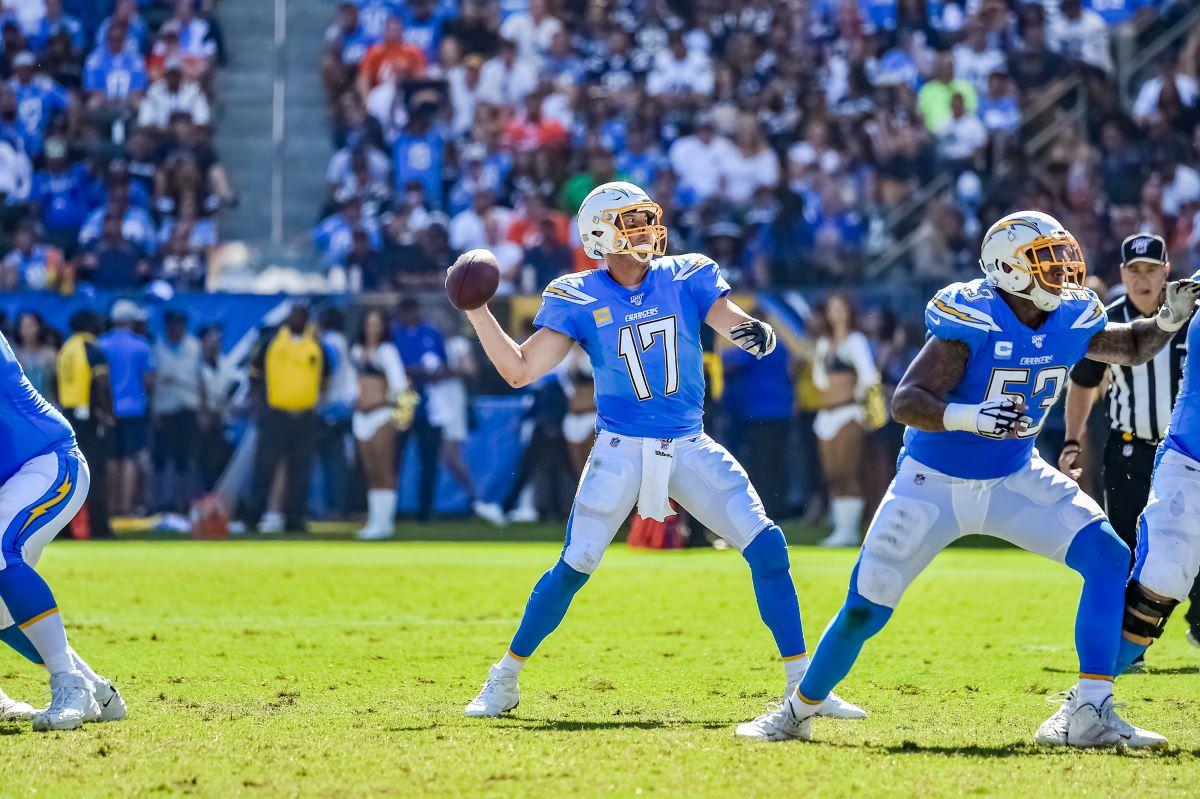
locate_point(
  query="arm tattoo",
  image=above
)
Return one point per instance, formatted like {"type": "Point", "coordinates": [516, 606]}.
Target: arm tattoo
{"type": "Point", "coordinates": [919, 400]}
{"type": "Point", "coordinates": [1128, 344]}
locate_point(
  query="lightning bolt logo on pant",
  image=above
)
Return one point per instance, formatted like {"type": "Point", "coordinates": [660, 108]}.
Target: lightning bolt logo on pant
{"type": "Point", "coordinates": [38, 511]}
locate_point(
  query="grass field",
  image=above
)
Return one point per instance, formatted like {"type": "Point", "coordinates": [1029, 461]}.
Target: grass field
{"type": "Point", "coordinates": [341, 669]}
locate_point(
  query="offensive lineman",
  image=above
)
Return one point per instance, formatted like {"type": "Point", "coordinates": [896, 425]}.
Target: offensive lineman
{"type": "Point", "coordinates": [638, 318]}
{"type": "Point", "coordinates": [43, 483]}
{"type": "Point", "coordinates": [996, 358]}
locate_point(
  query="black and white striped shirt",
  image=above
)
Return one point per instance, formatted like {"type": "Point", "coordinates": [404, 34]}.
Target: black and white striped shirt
{"type": "Point", "coordinates": [1139, 397]}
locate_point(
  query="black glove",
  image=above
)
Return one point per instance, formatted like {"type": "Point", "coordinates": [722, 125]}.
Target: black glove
{"type": "Point", "coordinates": [755, 337]}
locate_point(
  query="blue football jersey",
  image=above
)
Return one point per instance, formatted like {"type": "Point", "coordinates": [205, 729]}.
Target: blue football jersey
{"type": "Point", "coordinates": [1007, 359]}
{"type": "Point", "coordinates": [29, 426]}
{"type": "Point", "coordinates": [1183, 431]}
{"type": "Point", "coordinates": [644, 343]}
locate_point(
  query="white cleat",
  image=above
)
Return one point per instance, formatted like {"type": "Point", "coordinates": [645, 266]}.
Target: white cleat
{"type": "Point", "coordinates": [834, 707]}
{"type": "Point", "coordinates": [490, 512]}
{"type": "Point", "coordinates": [12, 710]}
{"type": "Point", "coordinates": [71, 703]}
{"type": "Point", "coordinates": [779, 724]}
{"type": "Point", "coordinates": [271, 523]}
{"type": "Point", "coordinates": [500, 694]}
{"type": "Point", "coordinates": [1053, 731]}
{"type": "Point", "coordinates": [524, 516]}
{"type": "Point", "coordinates": [109, 701]}
{"type": "Point", "coordinates": [1089, 726]}
{"type": "Point", "coordinates": [369, 533]}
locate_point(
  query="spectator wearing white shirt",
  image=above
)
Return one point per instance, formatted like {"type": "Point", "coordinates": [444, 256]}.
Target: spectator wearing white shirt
{"type": "Point", "coordinates": [1149, 96]}
{"type": "Point", "coordinates": [468, 228]}
{"type": "Point", "coordinates": [679, 72]}
{"type": "Point", "coordinates": [195, 37]}
{"type": "Point", "coordinates": [1180, 183]}
{"type": "Point", "coordinates": [341, 166]}
{"type": "Point", "coordinates": [506, 78]}
{"type": "Point", "coordinates": [962, 138]}
{"type": "Point", "coordinates": [752, 163]}
{"type": "Point", "coordinates": [1081, 33]}
{"type": "Point", "coordinates": [974, 59]}
{"type": "Point", "coordinates": [699, 159]}
{"type": "Point", "coordinates": [532, 31]}
{"type": "Point", "coordinates": [465, 82]}
{"type": "Point", "coordinates": [170, 95]}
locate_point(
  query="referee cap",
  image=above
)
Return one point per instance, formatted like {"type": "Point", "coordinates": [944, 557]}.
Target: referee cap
{"type": "Point", "coordinates": [1144, 247]}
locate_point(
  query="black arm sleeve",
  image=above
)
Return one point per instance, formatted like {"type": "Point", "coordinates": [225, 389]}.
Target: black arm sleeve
{"type": "Point", "coordinates": [1088, 373]}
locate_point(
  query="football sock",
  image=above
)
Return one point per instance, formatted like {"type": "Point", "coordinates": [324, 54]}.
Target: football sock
{"type": "Point", "coordinates": [841, 642]}
{"type": "Point", "coordinates": [1102, 559]}
{"type": "Point", "coordinates": [32, 606]}
{"type": "Point", "coordinates": [847, 516]}
{"type": "Point", "coordinates": [20, 642]}
{"type": "Point", "coordinates": [773, 589]}
{"type": "Point", "coordinates": [511, 662]}
{"type": "Point", "coordinates": [1128, 652]}
{"type": "Point", "coordinates": [546, 607]}
{"type": "Point", "coordinates": [82, 667]}
{"type": "Point", "coordinates": [381, 508]}
{"type": "Point", "coordinates": [1093, 692]}
{"type": "Point", "coordinates": [795, 667]}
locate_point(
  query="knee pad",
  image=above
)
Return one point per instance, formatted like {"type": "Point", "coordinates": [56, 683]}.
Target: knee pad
{"type": "Point", "coordinates": [900, 526]}
{"type": "Point", "coordinates": [586, 543]}
{"type": "Point", "coordinates": [877, 582]}
{"type": "Point", "coordinates": [767, 554]}
{"type": "Point", "coordinates": [1145, 616]}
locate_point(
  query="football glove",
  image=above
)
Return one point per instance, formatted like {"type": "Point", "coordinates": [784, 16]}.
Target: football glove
{"type": "Point", "coordinates": [1178, 304]}
{"type": "Point", "coordinates": [755, 337]}
{"type": "Point", "coordinates": [998, 418]}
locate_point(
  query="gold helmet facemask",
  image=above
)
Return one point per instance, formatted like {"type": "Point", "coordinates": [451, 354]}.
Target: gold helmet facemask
{"type": "Point", "coordinates": [623, 236]}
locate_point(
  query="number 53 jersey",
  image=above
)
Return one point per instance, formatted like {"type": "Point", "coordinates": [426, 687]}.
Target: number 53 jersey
{"type": "Point", "coordinates": [644, 343]}
{"type": "Point", "coordinates": [1007, 359]}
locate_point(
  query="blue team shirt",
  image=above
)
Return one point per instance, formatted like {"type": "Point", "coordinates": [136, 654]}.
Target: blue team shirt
{"type": "Point", "coordinates": [37, 103]}
{"type": "Point", "coordinates": [115, 75]}
{"type": "Point", "coordinates": [29, 425]}
{"type": "Point", "coordinates": [644, 343]}
{"type": "Point", "coordinates": [129, 360]}
{"type": "Point", "coordinates": [1007, 358]}
{"type": "Point", "coordinates": [1183, 433]}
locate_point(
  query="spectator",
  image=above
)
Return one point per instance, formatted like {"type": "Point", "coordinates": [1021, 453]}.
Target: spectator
{"type": "Point", "coordinates": [507, 77]}
{"type": "Point", "coordinates": [334, 237]}
{"type": "Point", "coordinates": [219, 382]}
{"type": "Point", "coordinates": [391, 56]}
{"type": "Point", "coordinates": [137, 226]}
{"type": "Point", "coordinates": [681, 74]}
{"type": "Point", "coordinates": [976, 59]}
{"type": "Point", "coordinates": [114, 77]}
{"type": "Point", "coordinates": [132, 372]}
{"type": "Point", "coordinates": [85, 395]}
{"type": "Point", "coordinates": [112, 261]}
{"type": "Point", "coordinates": [424, 25]}
{"type": "Point", "coordinates": [1080, 33]}
{"type": "Point", "coordinates": [419, 152]}
{"type": "Point", "coordinates": [56, 21]}
{"type": "Point", "coordinates": [936, 96]}
{"type": "Point", "coordinates": [703, 146]}
{"type": "Point", "coordinates": [176, 411]}
{"type": "Point", "coordinates": [60, 196]}
{"type": "Point", "coordinates": [1034, 67]}
{"type": "Point", "coordinates": [1157, 91]}
{"type": "Point", "coordinates": [288, 371]}
{"type": "Point", "coordinates": [40, 99]}
{"type": "Point", "coordinates": [36, 353]}
{"type": "Point", "coordinates": [531, 31]}
{"type": "Point", "coordinates": [750, 165]}
{"type": "Point", "coordinates": [172, 94]}
{"type": "Point", "coordinates": [962, 138]}
{"type": "Point", "coordinates": [465, 82]}
{"type": "Point", "coordinates": [31, 266]}
{"type": "Point", "coordinates": [423, 352]}
{"type": "Point", "coordinates": [998, 108]}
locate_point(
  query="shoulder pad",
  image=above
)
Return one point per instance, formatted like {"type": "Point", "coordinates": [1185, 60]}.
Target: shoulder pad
{"type": "Point", "coordinates": [570, 289]}
{"type": "Point", "coordinates": [687, 265]}
{"type": "Point", "coordinates": [965, 304]}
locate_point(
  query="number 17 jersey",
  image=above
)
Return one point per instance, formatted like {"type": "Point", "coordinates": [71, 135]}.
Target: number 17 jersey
{"type": "Point", "coordinates": [1007, 359]}
{"type": "Point", "coordinates": [644, 343]}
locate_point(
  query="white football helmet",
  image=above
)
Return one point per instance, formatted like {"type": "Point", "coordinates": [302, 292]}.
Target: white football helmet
{"type": "Point", "coordinates": [1021, 248]}
{"type": "Point", "coordinates": [601, 230]}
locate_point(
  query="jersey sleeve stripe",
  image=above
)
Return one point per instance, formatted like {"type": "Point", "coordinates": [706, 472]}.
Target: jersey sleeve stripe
{"type": "Point", "coordinates": [963, 315]}
{"type": "Point", "coordinates": [569, 293]}
{"type": "Point", "coordinates": [1093, 314]}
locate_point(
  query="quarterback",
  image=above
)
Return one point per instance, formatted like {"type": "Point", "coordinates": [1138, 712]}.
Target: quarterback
{"type": "Point", "coordinates": [43, 483]}
{"type": "Point", "coordinates": [638, 318]}
{"type": "Point", "coordinates": [995, 360]}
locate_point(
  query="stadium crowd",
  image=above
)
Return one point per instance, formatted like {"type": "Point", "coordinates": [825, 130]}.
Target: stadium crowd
{"type": "Point", "coordinates": [782, 138]}
{"type": "Point", "coordinates": [107, 170]}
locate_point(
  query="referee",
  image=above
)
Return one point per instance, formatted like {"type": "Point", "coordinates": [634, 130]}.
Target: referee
{"type": "Point", "coordinates": [1139, 398]}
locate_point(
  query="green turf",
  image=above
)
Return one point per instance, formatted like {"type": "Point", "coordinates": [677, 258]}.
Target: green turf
{"type": "Point", "coordinates": [341, 669]}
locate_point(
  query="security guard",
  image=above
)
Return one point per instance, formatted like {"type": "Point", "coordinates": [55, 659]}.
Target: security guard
{"type": "Point", "coordinates": [85, 394]}
{"type": "Point", "coordinates": [287, 372]}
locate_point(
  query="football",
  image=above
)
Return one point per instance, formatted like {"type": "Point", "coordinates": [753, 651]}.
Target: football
{"type": "Point", "coordinates": [472, 280]}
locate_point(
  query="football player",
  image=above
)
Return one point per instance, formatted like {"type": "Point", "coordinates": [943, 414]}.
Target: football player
{"type": "Point", "coordinates": [639, 318]}
{"type": "Point", "coordinates": [996, 358]}
{"type": "Point", "coordinates": [43, 483]}
{"type": "Point", "coordinates": [1168, 537]}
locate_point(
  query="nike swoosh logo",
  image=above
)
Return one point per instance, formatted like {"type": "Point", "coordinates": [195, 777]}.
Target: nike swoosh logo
{"type": "Point", "coordinates": [111, 697]}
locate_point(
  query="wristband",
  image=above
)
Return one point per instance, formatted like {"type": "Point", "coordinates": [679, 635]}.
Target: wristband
{"type": "Point", "coordinates": [1071, 442]}
{"type": "Point", "coordinates": [961, 416]}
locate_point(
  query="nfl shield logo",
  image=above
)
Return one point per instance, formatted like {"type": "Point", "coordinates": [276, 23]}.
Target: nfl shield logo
{"type": "Point", "coordinates": [636, 299]}
{"type": "Point", "coordinates": [1039, 340]}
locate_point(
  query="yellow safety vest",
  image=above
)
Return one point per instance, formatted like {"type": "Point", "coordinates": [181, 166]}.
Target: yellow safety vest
{"type": "Point", "coordinates": [292, 370]}
{"type": "Point", "coordinates": [75, 373]}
